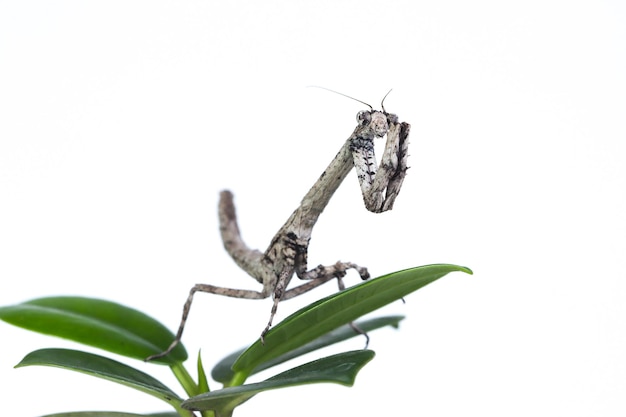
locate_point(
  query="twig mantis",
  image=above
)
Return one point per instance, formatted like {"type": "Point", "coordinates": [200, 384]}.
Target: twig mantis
{"type": "Point", "coordinates": [287, 253]}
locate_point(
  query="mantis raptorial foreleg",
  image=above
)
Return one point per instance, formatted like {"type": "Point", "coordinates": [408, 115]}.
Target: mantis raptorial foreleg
{"type": "Point", "coordinates": [287, 253]}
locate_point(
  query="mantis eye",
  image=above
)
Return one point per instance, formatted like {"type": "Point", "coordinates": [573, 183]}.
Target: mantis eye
{"type": "Point", "coordinates": [363, 116]}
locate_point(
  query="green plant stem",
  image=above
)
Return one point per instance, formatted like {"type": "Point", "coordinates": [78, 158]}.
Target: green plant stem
{"type": "Point", "coordinates": [238, 379]}
{"type": "Point", "coordinates": [187, 382]}
{"type": "Point", "coordinates": [190, 387]}
{"type": "Point", "coordinates": [207, 413]}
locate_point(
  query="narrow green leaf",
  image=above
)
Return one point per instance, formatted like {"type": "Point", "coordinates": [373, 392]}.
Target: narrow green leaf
{"type": "Point", "coordinates": [331, 312]}
{"type": "Point", "coordinates": [222, 372]}
{"type": "Point", "coordinates": [341, 369]}
{"type": "Point", "coordinates": [203, 384]}
{"type": "Point", "coordinates": [99, 323]}
{"type": "Point", "coordinates": [101, 367]}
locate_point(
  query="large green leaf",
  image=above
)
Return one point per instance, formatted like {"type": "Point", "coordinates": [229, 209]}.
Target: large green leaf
{"type": "Point", "coordinates": [103, 324]}
{"type": "Point", "coordinates": [101, 367]}
{"type": "Point", "coordinates": [222, 372]}
{"type": "Point", "coordinates": [331, 312]}
{"type": "Point", "coordinates": [340, 369]}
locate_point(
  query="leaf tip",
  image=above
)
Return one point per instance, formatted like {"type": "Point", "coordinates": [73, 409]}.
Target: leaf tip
{"type": "Point", "coordinates": [467, 270]}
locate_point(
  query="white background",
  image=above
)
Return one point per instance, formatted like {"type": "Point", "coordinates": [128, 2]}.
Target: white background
{"type": "Point", "coordinates": [121, 121]}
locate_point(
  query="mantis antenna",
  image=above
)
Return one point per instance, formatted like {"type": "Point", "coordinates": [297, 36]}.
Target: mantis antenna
{"type": "Point", "coordinates": [355, 99]}
{"type": "Point", "coordinates": [383, 100]}
{"type": "Point", "coordinates": [345, 95]}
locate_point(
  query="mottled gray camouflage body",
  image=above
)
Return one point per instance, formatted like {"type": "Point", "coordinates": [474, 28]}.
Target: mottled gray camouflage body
{"type": "Point", "coordinates": [287, 252]}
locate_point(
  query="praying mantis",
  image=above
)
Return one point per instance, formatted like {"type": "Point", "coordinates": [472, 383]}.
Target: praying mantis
{"type": "Point", "coordinates": [287, 252]}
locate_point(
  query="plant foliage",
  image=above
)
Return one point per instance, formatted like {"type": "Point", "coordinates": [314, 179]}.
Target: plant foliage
{"type": "Point", "coordinates": [124, 331]}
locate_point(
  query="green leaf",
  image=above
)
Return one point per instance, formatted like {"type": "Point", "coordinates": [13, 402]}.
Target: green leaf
{"type": "Point", "coordinates": [203, 384]}
{"type": "Point", "coordinates": [99, 323]}
{"type": "Point", "coordinates": [331, 312]}
{"type": "Point", "coordinates": [341, 369]}
{"type": "Point", "coordinates": [222, 372]}
{"type": "Point", "coordinates": [101, 367]}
